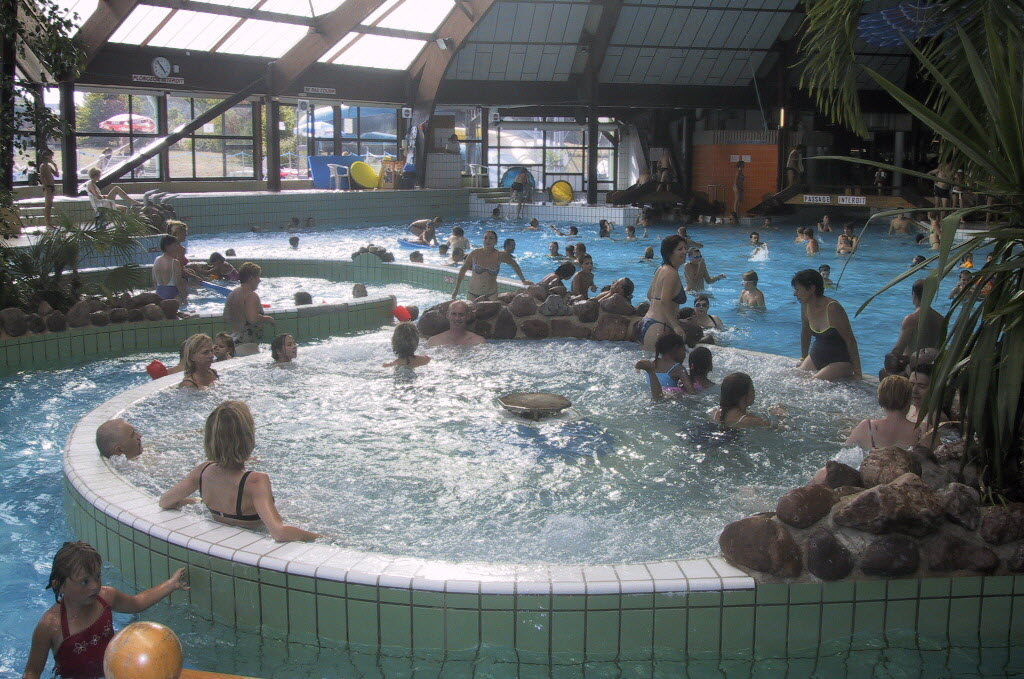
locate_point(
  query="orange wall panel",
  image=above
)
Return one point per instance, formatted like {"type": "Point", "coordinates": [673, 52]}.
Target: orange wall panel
{"type": "Point", "coordinates": [711, 166]}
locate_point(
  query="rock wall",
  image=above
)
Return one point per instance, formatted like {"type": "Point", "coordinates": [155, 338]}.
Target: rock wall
{"type": "Point", "coordinates": [146, 306]}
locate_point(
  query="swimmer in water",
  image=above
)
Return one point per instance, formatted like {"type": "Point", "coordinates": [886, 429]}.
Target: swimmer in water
{"type": "Point", "coordinates": [583, 281]}
{"type": "Point", "coordinates": [570, 253]}
{"type": "Point", "coordinates": [534, 225]}
{"type": "Point", "coordinates": [919, 259]}
{"type": "Point", "coordinates": [701, 304]}
{"type": "Point", "coordinates": [812, 247]}
{"type": "Point", "coordinates": [573, 231]}
{"type": "Point", "coordinates": [564, 272]}
{"type": "Point", "coordinates": [666, 374]}
{"type": "Point", "coordinates": [553, 250]}
{"type": "Point", "coordinates": [696, 272]}
{"type": "Point", "coordinates": [701, 365]}
{"type": "Point", "coordinates": [630, 232]}
{"type": "Point", "coordinates": [604, 229]}
{"type": "Point", "coordinates": [648, 254]}
{"type": "Point", "coordinates": [751, 295]}
{"type": "Point", "coordinates": [736, 396]}
{"type": "Point", "coordinates": [825, 270]}
{"type": "Point", "coordinates": [284, 349]}
{"type": "Point", "coordinates": [404, 342]}
{"type": "Point", "coordinates": [755, 240]}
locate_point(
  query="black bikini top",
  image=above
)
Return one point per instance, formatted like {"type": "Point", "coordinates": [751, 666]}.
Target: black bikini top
{"type": "Point", "coordinates": [238, 515]}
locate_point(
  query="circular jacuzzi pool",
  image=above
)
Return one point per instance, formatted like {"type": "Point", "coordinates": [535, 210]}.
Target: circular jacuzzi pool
{"type": "Point", "coordinates": [426, 465]}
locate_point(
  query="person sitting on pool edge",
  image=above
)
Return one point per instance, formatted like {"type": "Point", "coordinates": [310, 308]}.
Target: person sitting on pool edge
{"type": "Point", "coordinates": [913, 335]}
{"type": "Point", "coordinates": [736, 396]}
{"type": "Point", "coordinates": [242, 311]}
{"type": "Point", "coordinates": [229, 438]}
{"type": "Point", "coordinates": [404, 342]}
{"type": "Point", "coordinates": [283, 349]}
{"type": "Point", "coordinates": [894, 396]}
{"type": "Point", "coordinates": [117, 437]}
{"type": "Point", "coordinates": [198, 361]}
{"type": "Point", "coordinates": [457, 334]}
{"type": "Point", "coordinates": [751, 296]}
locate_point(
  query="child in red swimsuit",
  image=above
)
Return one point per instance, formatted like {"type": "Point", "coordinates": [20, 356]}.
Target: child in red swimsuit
{"type": "Point", "coordinates": [80, 625]}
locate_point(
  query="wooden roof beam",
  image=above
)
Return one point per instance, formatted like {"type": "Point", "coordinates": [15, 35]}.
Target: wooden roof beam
{"type": "Point", "coordinates": [98, 28]}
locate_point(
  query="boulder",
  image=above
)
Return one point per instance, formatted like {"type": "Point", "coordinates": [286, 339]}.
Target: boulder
{"type": "Point", "coordinates": [887, 464]}
{"type": "Point", "coordinates": [387, 257]}
{"type": "Point", "coordinates": [761, 544]}
{"type": "Point", "coordinates": [230, 252]}
{"type": "Point", "coordinates": [827, 557]}
{"type": "Point", "coordinates": [612, 327]}
{"type": "Point", "coordinates": [587, 310]}
{"type": "Point", "coordinates": [170, 308]}
{"type": "Point", "coordinates": [946, 452]}
{"type": "Point", "coordinates": [535, 328]}
{"type": "Point", "coordinates": [844, 491]}
{"type": "Point", "coordinates": [1002, 524]}
{"type": "Point", "coordinates": [483, 328]}
{"type": "Point", "coordinates": [804, 507]}
{"type": "Point", "coordinates": [506, 297]}
{"type": "Point", "coordinates": [55, 321]}
{"type": "Point", "coordinates": [505, 325]}
{"type": "Point", "coordinates": [558, 289]}
{"type": "Point", "coordinates": [485, 310]}
{"type": "Point", "coordinates": [99, 318]}
{"type": "Point", "coordinates": [118, 315]}
{"type": "Point", "coordinates": [617, 304]}
{"type": "Point", "coordinates": [152, 312]}
{"type": "Point", "coordinates": [35, 323]}
{"type": "Point", "coordinates": [836, 475]}
{"type": "Point", "coordinates": [962, 504]}
{"type": "Point", "coordinates": [44, 308]}
{"type": "Point", "coordinates": [432, 322]}
{"type": "Point", "coordinates": [144, 298]}
{"type": "Point", "coordinates": [642, 308]}
{"type": "Point", "coordinates": [906, 505]}
{"type": "Point", "coordinates": [523, 305]}
{"type": "Point", "coordinates": [538, 292]}
{"type": "Point", "coordinates": [563, 327]}
{"type": "Point", "coordinates": [414, 311]}
{"type": "Point", "coordinates": [1015, 562]}
{"type": "Point", "coordinates": [14, 321]}
{"type": "Point", "coordinates": [891, 556]}
{"type": "Point", "coordinates": [78, 314]}
{"type": "Point", "coordinates": [946, 553]}
{"type": "Point", "coordinates": [135, 315]}
{"type": "Point", "coordinates": [555, 305]}
{"type": "Point", "coordinates": [95, 304]}
{"type": "Point", "coordinates": [358, 290]}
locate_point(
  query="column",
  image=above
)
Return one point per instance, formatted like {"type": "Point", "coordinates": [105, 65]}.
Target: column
{"type": "Point", "coordinates": [898, 152]}
{"type": "Point", "coordinates": [273, 146]}
{"type": "Point", "coordinates": [592, 131]}
{"type": "Point", "coordinates": [69, 169]}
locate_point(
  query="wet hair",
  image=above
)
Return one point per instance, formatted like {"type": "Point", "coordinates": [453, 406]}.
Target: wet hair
{"type": "Point", "coordinates": [894, 393]}
{"type": "Point", "coordinates": [685, 313]}
{"type": "Point", "coordinates": [586, 258]}
{"type": "Point", "coordinates": [277, 346]}
{"type": "Point", "coordinates": [700, 362]}
{"type": "Point", "coordinates": [508, 241]}
{"type": "Point", "coordinates": [570, 250]}
{"type": "Point", "coordinates": [750, 276]}
{"type": "Point", "coordinates": [294, 241]}
{"type": "Point", "coordinates": [668, 343]}
{"type": "Point", "coordinates": [580, 248]}
{"type": "Point", "coordinates": [303, 298]}
{"type": "Point", "coordinates": [492, 232]}
{"type": "Point", "coordinates": [824, 267]}
{"type": "Point", "coordinates": [630, 229]}
{"type": "Point", "coordinates": [918, 259]}
{"type": "Point", "coordinates": [649, 252]}
{"type": "Point", "coordinates": [416, 256]}
{"type": "Point", "coordinates": [692, 332]}
{"type": "Point", "coordinates": [404, 340]}
{"type": "Point", "coordinates": [565, 270]}
{"type": "Point", "coordinates": [70, 559]}
{"type": "Point", "coordinates": [230, 434]}
{"type": "Point", "coordinates": [191, 347]}
{"type": "Point", "coordinates": [216, 258]}
{"type": "Point", "coordinates": [920, 237]}
{"type": "Point", "coordinates": [495, 212]}
{"type": "Point", "coordinates": [809, 278]}
{"type": "Point", "coordinates": [704, 298]}
{"type": "Point", "coordinates": [735, 386]}
{"type": "Point", "coordinates": [229, 341]}
{"type": "Point", "coordinates": [627, 288]}
{"type": "Point", "coordinates": [668, 246]}
{"type": "Point", "coordinates": [458, 231]}
{"type": "Point", "coordinates": [917, 289]}
{"type": "Point", "coordinates": [755, 233]}
{"type": "Point", "coordinates": [442, 249]}
{"type": "Point", "coordinates": [458, 254]}
{"type": "Point", "coordinates": [573, 231]}
{"type": "Point", "coordinates": [248, 270]}
{"type": "Point", "coordinates": [809, 232]}
{"type": "Point", "coordinates": [166, 242]}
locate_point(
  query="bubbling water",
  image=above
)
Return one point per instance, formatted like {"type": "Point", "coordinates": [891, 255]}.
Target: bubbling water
{"type": "Point", "coordinates": [427, 465]}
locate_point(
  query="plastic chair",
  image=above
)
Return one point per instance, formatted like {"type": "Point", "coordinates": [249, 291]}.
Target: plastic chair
{"type": "Point", "coordinates": [478, 175]}
{"type": "Point", "coordinates": [338, 172]}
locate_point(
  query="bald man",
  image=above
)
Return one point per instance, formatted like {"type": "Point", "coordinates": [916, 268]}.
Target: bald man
{"type": "Point", "coordinates": [459, 315]}
{"type": "Point", "coordinates": [117, 437]}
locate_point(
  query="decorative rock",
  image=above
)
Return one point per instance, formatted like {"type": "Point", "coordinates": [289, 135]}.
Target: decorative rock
{"type": "Point", "coordinates": [836, 475]}
{"type": "Point", "coordinates": [78, 314]}
{"type": "Point", "coordinates": [95, 304]}
{"type": "Point", "coordinates": [1002, 524]}
{"type": "Point", "coordinates": [414, 311]}
{"type": "Point", "coordinates": [612, 327]}
{"type": "Point", "coordinates": [827, 557]}
{"type": "Point", "coordinates": [230, 252]}
{"type": "Point", "coordinates": [118, 315]}
{"type": "Point", "coordinates": [555, 305]}
{"type": "Point", "coordinates": [945, 452]}
{"type": "Point", "coordinates": [804, 507]}
{"type": "Point", "coordinates": [761, 544]}
{"type": "Point", "coordinates": [536, 329]}
{"type": "Point", "coordinates": [387, 257]}
{"type": "Point", "coordinates": [99, 319]}
{"type": "Point", "coordinates": [35, 323]}
{"type": "Point", "coordinates": [135, 315]}
{"type": "Point", "coordinates": [359, 290]}
{"type": "Point", "coordinates": [14, 321]}
{"type": "Point", "coordinates": [617, 304]}
{"type": "Point", "coordinates": [1015, 562]}
{"type": "Point", "coordinates": [485, 310]}
{"type": "Point", "coordinates": [538, 292]}
{"type": "Point", "coordinates": [170, 308]}
{"type": "Point", "coordinates": [844, 491]}
{"type": "Point", "coordinates": [891, 556]}
{"type": "Point", "coordinates": [505, 325]}
{"type": "Point", "coordinates": [951, 553]}
{"type": "Point", "coordinates": [56, 322]}
{"type": "Point", "coordinates": [44, 308]}
{"type": "Point", "coordinates": [506, 297]}
{"type": "Point", "coordinates": [152, 312]}
{"type": "Point", "coordinates": [642, 308]}
{"type": "Point", "coordinates": [523, 305]}
{"type": "Point", "coordinates": [563, 327]}
{"type": "Point", "coordinates": [558, 289]}
{"type": "Point", "coordinates": [144, 298]}
{"type": "Point", "coordinates": [962, 504]}
{"type": "Point", "coordinates": [483, 328]}
{"type": "Point", "coordinates": [887, 464]}
{"type": "Point", "coordinates": [907, 505]}
{"type": "Point", "coordinates": [587, 310]}
{"type": "Point", "coordinates": [432, 322]}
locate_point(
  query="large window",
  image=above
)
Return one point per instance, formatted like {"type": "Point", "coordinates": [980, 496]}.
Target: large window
{"type": "Point", "coordinates": [468, 128]}
{"type": "Point", "coordinates": [111, 127]}
{"type": "Point", "coordinates": [222, 148]}
{"type": "Point", "coordinates": [336, 129]}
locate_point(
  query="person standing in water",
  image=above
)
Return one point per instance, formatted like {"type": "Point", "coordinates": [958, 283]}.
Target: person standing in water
{"type": "Point", "coordinates": [665, 294]}
{"type": "Point", "coordinates": [833, 354]}
{"type": "Point", "coordinates": [243, 311]}
{"type": "Point", "coordinates": [696, 272]}
{"type": "Point", "coordinates": [485, 263]}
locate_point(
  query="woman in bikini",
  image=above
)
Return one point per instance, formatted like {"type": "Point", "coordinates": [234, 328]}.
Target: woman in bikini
{"type": "Point", "coordinates": [894, 395]}
{"type": "Point", "coordinates": [199, 355]}
{"type": "Point", "coordinates": [485, 263]}
{"type": "Point", "coordinates": [404, 342]}
{"type": "Point", "coordinates": [665, 295]}
{"type": "Point", "coordinates": [229, 439]}
{"type": "Point", "coordinates": [834, 354]}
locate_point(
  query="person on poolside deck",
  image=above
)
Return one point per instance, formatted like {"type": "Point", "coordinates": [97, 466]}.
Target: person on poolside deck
{"type": "Point", "coordinates": [701, 304]}
{"type": "Point", "coordinates": [234, 495]}
{"type": "Point", "coordinates": [666, 374]}
{"type": "Point", "coordinates": [894, 395]}
{"type": "Point", "coordinates": [168, 274]}
{"type": "Point", "coordinates": [242, 311]}
{"type": "Point", "coordinates": [833, 354]}
{"type": "Point", "coordinates": [199, 357]}
{"type": "Point", "coordinates": [485, 263]}
{"type": "Point", "coordinates": [284, 349]}
{"type": "Point", "coordinates": [117, 437]}
{"type": "Point", "coordinates": [696, 273]}
{"type": "Point", "coordinates": [665, 294]}
{"type": "Point", "coordinates": [457, 334]}
{"type": "Point", "coordinates": [404, 342]}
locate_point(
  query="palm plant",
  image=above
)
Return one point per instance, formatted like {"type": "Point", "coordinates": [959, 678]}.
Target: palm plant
{"type": "Point", "coordinates": [975, 106]}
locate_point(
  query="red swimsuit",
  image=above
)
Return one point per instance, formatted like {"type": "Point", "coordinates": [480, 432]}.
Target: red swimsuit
{"type": "Point", "coordinates": [80, 655]}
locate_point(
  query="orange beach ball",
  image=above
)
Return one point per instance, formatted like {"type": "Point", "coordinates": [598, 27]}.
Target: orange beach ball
{"type": "Point", "coordinates": [143, 650]}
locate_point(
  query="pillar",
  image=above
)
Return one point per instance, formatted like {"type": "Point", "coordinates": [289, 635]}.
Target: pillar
{"type": "Point", "coordinates": [898, 152]}
{"type": "Point", "coordinates": [592, 131]}
{"type": "Point", "coordinates": [8, 63]}
{"type": "Point", "coordinates": [273, 145]}
{"type": "Point", "coordinates": [163, 130]}
{"type": "Point", "coordinates": [69, 169]}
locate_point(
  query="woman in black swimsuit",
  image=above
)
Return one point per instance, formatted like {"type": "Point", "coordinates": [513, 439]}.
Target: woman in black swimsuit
{"type": "Point", "coordinates": [234, 495]}
{"type": "Point", "coordinates": [834, 354]}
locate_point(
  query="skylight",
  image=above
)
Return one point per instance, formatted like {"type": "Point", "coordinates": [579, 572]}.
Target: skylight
{"type": "Point", "coordinates": [423, 16]}
{"type": "Point", "coordinates": [189, 30]}
{"type": "Point", "coordinates": [83, 8]}
{"type": "Point", "coordinates": [139, 24]}
{"type": "Point", "coordinates": [378, 51]}
{"type": "Point", "coordinates": [258, 38]}
{"type": "Point", "coordinates": [301, 7]}
{"type": "Point", "coordinates": [242, 4]}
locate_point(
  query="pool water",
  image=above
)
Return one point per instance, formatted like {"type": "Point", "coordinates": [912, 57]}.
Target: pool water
{"type": "Point", "coordinates": [279, 293]}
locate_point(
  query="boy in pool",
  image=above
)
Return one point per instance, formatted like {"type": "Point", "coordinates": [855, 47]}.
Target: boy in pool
{"type": "Point", "coordinates": [553, 250]}
{"type": "Point", "coordinates": [825, 270]}
{"type": "Point", "coordinates": [80, 625]}
{"type": "Point", "coordinates": [583, 281]}
{"type": "Point", "coordinates": [294, 242]}
{"type": "Point", "coordinates": [458, 238]}
{"type": "Point", "coordinates": [751, 296]}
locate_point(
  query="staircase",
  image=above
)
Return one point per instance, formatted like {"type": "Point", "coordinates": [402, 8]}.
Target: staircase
{"type": "Point", "coordinates": [492, 195]}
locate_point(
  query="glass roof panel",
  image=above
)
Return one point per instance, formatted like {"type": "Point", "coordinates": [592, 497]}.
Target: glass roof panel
{"type": "Point", "coordinates": [139, 24]}
{"type": "Point", "coordinates": [380, 51]}
{"type": "Point", "coordinates": [380, 11]}
{"type": "Point", "coordinates": [258, 38]}
{"type": "Point", "coordinates": [83, 8]}
{"type": "Point", "coordinates": [301, 7]}
{"type": "Point", "coordinates": [341, 44]}
{"type": "Point", "coordinates": [189, 30]}
{"type": "Point", "coordinates": [243, 4]}
{"type": "Point", "coordinates": [417, 15]}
